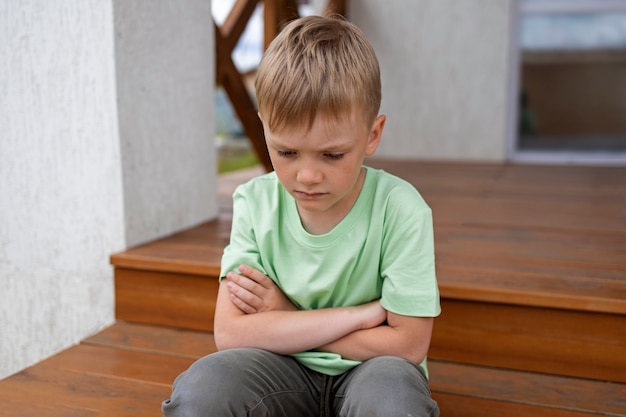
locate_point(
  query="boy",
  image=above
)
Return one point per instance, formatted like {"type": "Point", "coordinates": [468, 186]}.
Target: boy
{"type": "Point", "coordinates": [328, 289]}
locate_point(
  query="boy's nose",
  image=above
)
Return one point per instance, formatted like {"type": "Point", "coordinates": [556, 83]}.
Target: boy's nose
{"type": "Point", "coordinates": [308, 174]}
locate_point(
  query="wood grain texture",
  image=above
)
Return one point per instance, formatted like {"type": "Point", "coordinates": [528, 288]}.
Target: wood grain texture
{"type": "Point", "coordinates": [59, 389]}
{"type": "Point", "coordinates": [531, 263]}
{"type": "Point", "coordinates": [127, 370]}
{"type": "Point", "coordinates": [163, 298]}
{"type": "Point", "coordinates": [555, 341]}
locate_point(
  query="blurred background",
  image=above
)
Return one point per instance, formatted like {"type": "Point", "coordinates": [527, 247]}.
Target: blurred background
{"type": "Point", "coordinates": [568, 66]}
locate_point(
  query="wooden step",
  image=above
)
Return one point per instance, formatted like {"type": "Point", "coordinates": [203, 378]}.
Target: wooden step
{"type": "Point", "coordinates": [556, 341]}
{"type": "Point", "coordinates": [172, 281]}
{"type": "Point", "coordinates": [517, 292]}
{"type": "Point", "coordinates": [127, 370]}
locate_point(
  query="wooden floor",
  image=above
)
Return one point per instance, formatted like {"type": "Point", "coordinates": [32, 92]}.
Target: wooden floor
{"type": "Point", "coordinates": [531, 262]}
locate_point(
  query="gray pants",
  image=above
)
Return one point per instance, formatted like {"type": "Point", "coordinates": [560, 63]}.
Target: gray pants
{"type": "Point", "coordinates": [254, 382]}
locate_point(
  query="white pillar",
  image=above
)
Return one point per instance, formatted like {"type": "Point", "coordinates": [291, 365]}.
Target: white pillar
{"type": "Point", "coordinates": [93, 161]}
{"type": "Point", "coordinates": [165, 81]}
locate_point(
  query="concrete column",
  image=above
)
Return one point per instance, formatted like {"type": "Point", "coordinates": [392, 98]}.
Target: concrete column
{"type": "Point", "coordinates": [106, 141]}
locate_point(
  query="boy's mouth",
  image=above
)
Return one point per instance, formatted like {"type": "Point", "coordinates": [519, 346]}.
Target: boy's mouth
{"type": "Point", "coordinates": [308, 196]}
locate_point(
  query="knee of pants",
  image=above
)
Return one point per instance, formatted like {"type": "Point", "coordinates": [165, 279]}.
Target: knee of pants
{"type": "Point", "coordinates": [388, 385]}
{"type": "Point", "coordinates": [215, 379]}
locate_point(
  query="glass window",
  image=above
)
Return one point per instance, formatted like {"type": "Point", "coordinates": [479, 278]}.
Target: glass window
{"type": "Point", "coordinates": [573, 75]}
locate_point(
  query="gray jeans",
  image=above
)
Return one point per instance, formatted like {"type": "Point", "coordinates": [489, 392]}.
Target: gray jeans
{"type": "Point", "coordinates": [254, 382]}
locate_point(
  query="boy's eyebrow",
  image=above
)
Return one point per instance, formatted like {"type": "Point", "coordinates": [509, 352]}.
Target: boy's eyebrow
{"type": "Point", "coordinates": [331, 147]}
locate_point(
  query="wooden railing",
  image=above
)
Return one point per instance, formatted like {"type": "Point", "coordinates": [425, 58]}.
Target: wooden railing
{"type": "Point", "coordinates": [276, 14]}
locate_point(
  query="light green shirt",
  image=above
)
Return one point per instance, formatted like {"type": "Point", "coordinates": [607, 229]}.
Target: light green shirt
{"type": "Point", "coordinates": [383, 249]}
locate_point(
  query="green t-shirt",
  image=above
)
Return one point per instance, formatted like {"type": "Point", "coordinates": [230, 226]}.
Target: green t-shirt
{"type": "Point", "coordinates": [383, 249]}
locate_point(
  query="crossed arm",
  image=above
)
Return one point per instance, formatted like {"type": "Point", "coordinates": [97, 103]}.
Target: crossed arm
{"type": "Point", "coordinates": [253, 312]}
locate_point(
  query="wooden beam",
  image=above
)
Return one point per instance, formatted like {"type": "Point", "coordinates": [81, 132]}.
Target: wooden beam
{"type": "Point", "coordinates": [336, 7]}
{"type": "Point", "coordinates": [229, 77]}
{"type": "Point", "coordinates": [276, 14]}
{"type": "Point", "coordinates": [236, 23]}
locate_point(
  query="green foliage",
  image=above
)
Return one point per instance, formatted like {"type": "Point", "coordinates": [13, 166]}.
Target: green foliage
{"type": "Point", "coordinates": [235, 159]}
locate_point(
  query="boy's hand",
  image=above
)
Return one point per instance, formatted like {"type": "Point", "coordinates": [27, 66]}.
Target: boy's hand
{"type": "Point", "coordinates": [254, 292]}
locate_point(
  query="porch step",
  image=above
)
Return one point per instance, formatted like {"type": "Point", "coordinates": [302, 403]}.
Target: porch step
{"type": "Point", "coordinates": [531, 264]}
{"type": "Point", "coordinates": [566, 326]}
{"type": "Point", "coordinates": [128, 369]}
{"type": "Point", "coordinates": [172, 281]}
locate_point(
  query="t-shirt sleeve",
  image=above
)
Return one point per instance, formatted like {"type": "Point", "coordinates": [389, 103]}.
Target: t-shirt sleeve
{"type": "Point", "coordinates": [408, 257]}
{"type": "Point", "coordinates": [243, 247]}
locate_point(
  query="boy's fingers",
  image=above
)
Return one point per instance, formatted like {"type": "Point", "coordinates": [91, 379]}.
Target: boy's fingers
{"type": "Point", "coordinates": [242, 293]}
{"type": "Point", "coordinates": [242, 305]}
{"type": "Point", "coordinates": [255, 275]}
{"type": "Point", "coordinates": [243, 281]}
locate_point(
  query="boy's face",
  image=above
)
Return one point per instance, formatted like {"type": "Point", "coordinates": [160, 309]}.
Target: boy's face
{"type": "Point", "coordinates": [321, 167]}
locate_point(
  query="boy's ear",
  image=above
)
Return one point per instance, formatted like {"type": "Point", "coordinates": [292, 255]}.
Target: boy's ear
{"type": "Point", "coordinates": [376, 132]}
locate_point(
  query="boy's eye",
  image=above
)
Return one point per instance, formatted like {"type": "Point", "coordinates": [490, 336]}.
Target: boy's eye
{"type": "Point", "coordinates": [334, 156]}
{"type": "Point", "coordinates": [285, 153]}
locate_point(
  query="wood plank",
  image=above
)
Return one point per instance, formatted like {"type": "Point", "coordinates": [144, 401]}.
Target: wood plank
{"type": "Point", "coordinates": [562, 342]}
{"type": "Point", "coordinates": [505, 388]}
{"type": "Point", "coordinates": [531, 263]}
{"type": "Point", "coordinates": [236, 22]}
{"type": "Point", "coordinates": [451, 405]}
{"type": "Point", "coordinates": [194, 251]}
{"type": "Point", "coordinates": [502, 283]}
{"type": "Point", "coordinates": [549, 268]}
{"type": "Point", "coordinates": [42, 387]}
{"type": "Point", "coordinates": [536, 390]}
{"type": "Point", "coordinates": [604, 250]}
{"type": "Point", "coordinates": [459, 175]}
{"type": "Point", "coordinates": [129, 365]}
{"type": "Point", "coordinates": [155, 339]}
{"type": "Point", "coordinates": [496, 388]}
{"type": "Point", "coordinates": [508, 194]}
{"type": "Point", "coordinates": [15, 407]}
{"type": "Point", "coordinates": [161, 298]}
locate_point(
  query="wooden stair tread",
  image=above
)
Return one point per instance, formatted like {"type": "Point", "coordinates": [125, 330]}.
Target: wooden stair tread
{"type": "Point", "coordinates": [529, 388]}
{"type": "Point", "coordinates": [197, 250]}
{"type": "Point", "coordinates": [538, 390]}
{"type": "Point", "coordinates": [568, 197]}
{"type": "Point", "coordinates": [83, 393]}
{"type": "Point", "coordinates": [154, 339]}
{"type": "Point", "coordinates": [547, 236]}
{"type": "Point", "coordinates": [127, 370]}
{"type": "Point", "coordinates": [475, 268]}
{"type": "Point", "coordinates": [126, 364]}
{"type": "Point", "coordinates": [549, 268]}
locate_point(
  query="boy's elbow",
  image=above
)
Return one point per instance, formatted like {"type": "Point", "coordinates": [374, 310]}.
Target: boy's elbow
{"type": "Point", "coordinates": [413, 353]}
{"type": "Point", "coordinates": [224, 339]}
{"type": "Point", "coordinates": [417, 355]}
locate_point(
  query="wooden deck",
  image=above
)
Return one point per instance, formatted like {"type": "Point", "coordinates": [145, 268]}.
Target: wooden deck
{"type": "Point", "coordinates": [531, 262]}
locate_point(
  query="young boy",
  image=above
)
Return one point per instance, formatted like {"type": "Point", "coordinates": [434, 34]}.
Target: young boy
{"type": "Point", "coordinates": [328, 289]}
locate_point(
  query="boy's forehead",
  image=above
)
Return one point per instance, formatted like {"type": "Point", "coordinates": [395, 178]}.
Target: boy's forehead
{"type": "Point", "coordinates": [331, 122]}
{"type": "Point", "coordinates": [326, 131]}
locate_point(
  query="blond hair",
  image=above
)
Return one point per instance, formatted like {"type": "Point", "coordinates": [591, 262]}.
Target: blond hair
{"type": "Point", "coordinates": [318, 65]}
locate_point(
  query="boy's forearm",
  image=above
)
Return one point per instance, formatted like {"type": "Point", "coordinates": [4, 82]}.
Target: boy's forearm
{"type": "Point", "coordinates": [288, 332]}
{"type": "Point", "coordinates": [411, 344]}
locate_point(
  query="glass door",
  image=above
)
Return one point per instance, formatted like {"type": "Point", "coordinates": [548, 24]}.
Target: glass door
{"type": "Point", "coordinates": [572, 81]}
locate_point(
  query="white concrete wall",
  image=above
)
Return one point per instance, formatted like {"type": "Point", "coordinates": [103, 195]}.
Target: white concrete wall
{"type": "Point", "coordinates": [61, 210]}
{"type": "Point", "coordinates": [165, 83]}
{"type": "Point", "coordinates": [445, 74]}
{"type": "Point", "coordinates": [72, 178]}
